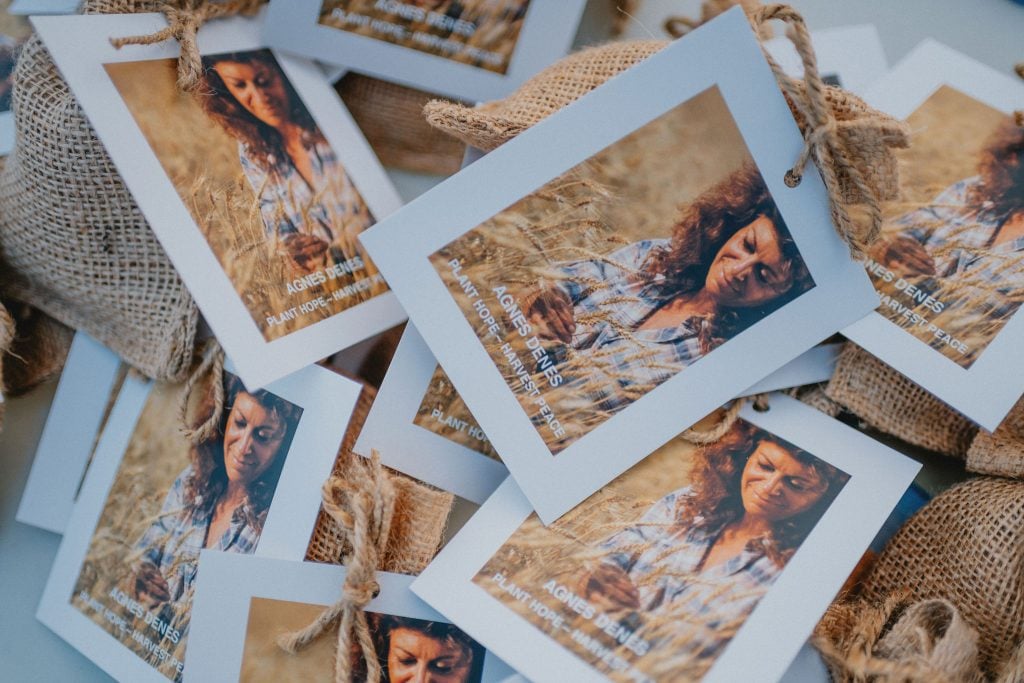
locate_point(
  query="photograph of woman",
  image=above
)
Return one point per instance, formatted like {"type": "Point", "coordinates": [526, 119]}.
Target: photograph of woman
{"type": "Point", "coordinates": [311, 210]}
{"type": "Point", "coordinates": [269, 194]}
{"type": "Point", "coordinates": [417, 651]}
{"type": "Point", "coordinates": [704, 555]}
{"type": "Point", "coordinates": [635, 318]}
{"type": "Point", "coordinates": [965, 246]}
{"type": "Point", "coordinates": [220, 500]}
{"type": "Point", "coordinates": [631, 266]}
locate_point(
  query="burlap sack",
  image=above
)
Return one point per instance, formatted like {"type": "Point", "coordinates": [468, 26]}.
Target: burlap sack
{"type": "Point", "coordinates": [37, 351]}
{"type": "Point", "coordinates": [421, 512]}
{"type": "Point", "coordinates": [965, 546]}
{"type": "Point", "coordinates": [896, 641]}
{"type": "Point", "coordinates": [391, 118]}
{"type": "Point", "coordinates": [489, 125]}
{"type": "Point", "coordinates": [889, 402]}
{"type": "Point", "coordinates": [73, 243]}
{"type": "Point", "coordinates": [1000, 452]}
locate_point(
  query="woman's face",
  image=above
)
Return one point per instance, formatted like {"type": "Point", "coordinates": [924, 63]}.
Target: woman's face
{"type": "Point", "coordinates": [415, 657]}
{"type": "Point", "coordinates": [251, 440]}
{"type": "Point", "coordinates": [776, 486]}
{"type": "Point", "coordinates": [259, 88]}
{"type": "Point", "coordinates": [750, 269]}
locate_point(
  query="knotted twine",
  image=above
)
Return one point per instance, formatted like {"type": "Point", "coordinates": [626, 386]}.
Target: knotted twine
{"type": "Point", "coordinates": [212, 364]}
{"type": "Point", "coordinates": [184, 18]}
{"type": "Point", "coordinates": [362, 504]}
{"type": "Point", "coordinates": [703, 437]}
{"type": "Point", "coordinates": [823, 142]}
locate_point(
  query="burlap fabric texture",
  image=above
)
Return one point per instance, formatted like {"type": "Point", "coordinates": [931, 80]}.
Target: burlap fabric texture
{"type": "Point", "coordinates": [896, 641]}
{"type": "Point", "coordinates": [1000, 452]}
{"type": "Point", "coordinates": [965, 546]}
{"type": "Point", "coordinates": [889, 402]}
{"type": "Point", "coordinates": [390, 116]}
{"type": "Point", "coordinates": [870, 134]}
{"type": "Point", "coordinates": [420, 512]}
{"type": "Point", "coordinates": [73, 242]}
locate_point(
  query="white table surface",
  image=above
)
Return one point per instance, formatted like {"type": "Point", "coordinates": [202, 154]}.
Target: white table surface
{"type": "Point", "coordinates": [988, 30]}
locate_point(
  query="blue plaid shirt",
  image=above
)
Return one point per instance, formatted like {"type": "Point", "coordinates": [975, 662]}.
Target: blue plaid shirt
{"type": "Point", "coordinates": [662, 553]}
{"type": "Point", "coordinates": [290, 206]}
{"type": "Point", "coordinates": [958, 235]}
{"type": "Point", "coordinates": [624, 362]}
{"type": "Point", "coordinates": [172, 542]}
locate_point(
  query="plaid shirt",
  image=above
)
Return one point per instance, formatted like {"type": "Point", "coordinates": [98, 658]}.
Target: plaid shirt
{"type": "Point", "coordinates": [172, 542]}
{"type": "Point", "coordinates": [951, 220]}
{"type": "Point", "coordinates": [290, 206]}
{"type": "Point", "coordinates": [662, 554]}
{"type": "Point", "coordinates": [624, 362]}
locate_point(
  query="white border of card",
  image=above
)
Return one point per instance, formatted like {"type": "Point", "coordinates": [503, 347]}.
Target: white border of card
{"type": "Point", "coordinates": [415, 450]}
{"type": "Point", "coordinates": [407, 447]}
{"type": "Point", "coordinates": [44, 6]}
{"type": "Point", "coordinates": [773, 633]}
{"type": "Point", "coordinates": [327, 401]}
{"type": "Point", "coordinates": [985, 392]}
{"type": "Point", "coordinates": [69, 434]}
{"type": "Point", "coordinates": [80, 45]}
{"type": "Point", "coordinates": [229, 582]}
{"type": "Point", "coordinates": [547, 32]}
{"type": "Point", "coordinates": [853, 53]}
{"type": "Point", "coordinates": [722, 53]}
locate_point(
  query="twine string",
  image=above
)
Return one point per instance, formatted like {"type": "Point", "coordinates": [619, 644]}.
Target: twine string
{"type": "Point", "coordinates": [678, 25]}
{"type": "Point", "coordinates": [6, 341]}
{"type": "Point", "coordinates": [823, 142]}
{"type": "Point", "coordinates": [362, 505]}
{"type": "Point", "coordinates": [212, 364]}
{"type": "Point", "coordinates": [184, 19]}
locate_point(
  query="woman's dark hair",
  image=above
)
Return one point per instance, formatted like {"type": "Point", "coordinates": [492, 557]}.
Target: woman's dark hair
{"type": "Point", "coordinates": [381, 626]}
{"type": "Point", "coordinates": [703, 229]}
{"type": "Point", "coordinates": [1001, 190]}
{"type": "Point", "coordinates": [262, 142]}
{"type": "Point", "coordinates": [715, 479]}
{"type": "Point", "coordinates": [209, 479]}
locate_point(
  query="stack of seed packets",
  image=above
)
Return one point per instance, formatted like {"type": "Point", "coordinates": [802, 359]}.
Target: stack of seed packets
{"type": "Point", "coordinates": [578, 299]}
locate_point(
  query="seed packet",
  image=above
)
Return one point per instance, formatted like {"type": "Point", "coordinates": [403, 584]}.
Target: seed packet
{"type": "Point", "coordinates": [702, 562]}
{"type": "Point", "coordinates": [257, 185]}
{"type": "Point", "coordinates": [618, 271]}
{"type": "Point", "coordinates": [123, 581]}
{"type": "Point", "coordinates": [949, 267]}
{"type": "Point", "coordinates": [244, 604]}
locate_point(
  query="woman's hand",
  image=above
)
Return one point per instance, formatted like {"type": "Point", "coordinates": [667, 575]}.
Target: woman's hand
{"type": "Point", "coordinates": [904, 256]}
{"type": "Point", "coordinates": [551, 312]}
{"type": "Point", "coordinates": [609, 587]}
{"type": "Point", "coordinates": [305, 251]}
{"type": "Point", "coordinates": [149, 585]}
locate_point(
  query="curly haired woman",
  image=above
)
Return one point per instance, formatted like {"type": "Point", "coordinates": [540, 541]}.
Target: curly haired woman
{"type": "Point", "coordinates": [655, 306]}
{"type": "Point", "coordinates": [220, 500]}
{"type": "Point", "coordinates": [308, 203]}
{"type": "Point", "coordinates": [708, 552]}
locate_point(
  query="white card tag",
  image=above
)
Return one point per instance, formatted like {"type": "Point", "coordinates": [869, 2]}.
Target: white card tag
{"type": "Point", "coordinates": [618, 271]}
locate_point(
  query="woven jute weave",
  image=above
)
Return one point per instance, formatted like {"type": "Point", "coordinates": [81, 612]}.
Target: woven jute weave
{"type": "Point", "coordinates": [73, 242]}
{"type": "Point", "coordinates": [420, 512]}
{"type": "Point", "coordinates": [491, 124]}
{"type": "Point", "coordinates": [889, 402]}
{"type": "Point", "coordinates": [391, 118]}
{"type": "Point", "coordinates": [897, 641]}
{"type": "Point", "coordinates": [1000, 452]}
{"type": "Point", "coordinates": [965, 546]}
